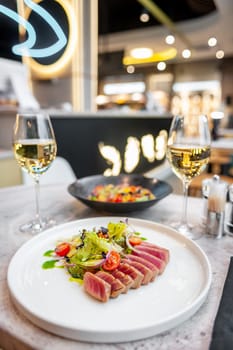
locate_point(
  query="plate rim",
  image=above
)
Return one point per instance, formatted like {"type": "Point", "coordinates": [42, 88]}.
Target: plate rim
{"type": "Point", "coordinates": [121, 335]}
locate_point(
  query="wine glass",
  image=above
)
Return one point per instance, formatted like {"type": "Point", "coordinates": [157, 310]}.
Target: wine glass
{"type": "Point", "coordinates": [35, 148]}
{"type": "Point", "coordinates": [188, 152]}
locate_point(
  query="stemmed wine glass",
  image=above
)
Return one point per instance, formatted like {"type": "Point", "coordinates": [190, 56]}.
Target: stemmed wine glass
{"type": "Point", "coordinates": [188, 152]}
{"type": "Point", "coordinates": [34, 148]}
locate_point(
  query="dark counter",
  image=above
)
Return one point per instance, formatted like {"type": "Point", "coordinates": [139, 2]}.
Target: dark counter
{"type": "Point", "coordinates": [78, 139]}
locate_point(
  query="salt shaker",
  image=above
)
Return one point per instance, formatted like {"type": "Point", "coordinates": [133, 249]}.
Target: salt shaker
{"type": "Point", "coordinates": [216, 207]}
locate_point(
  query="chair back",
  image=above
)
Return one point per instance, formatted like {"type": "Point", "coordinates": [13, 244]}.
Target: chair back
{"type": "Point", "coordinates": [60, 171]}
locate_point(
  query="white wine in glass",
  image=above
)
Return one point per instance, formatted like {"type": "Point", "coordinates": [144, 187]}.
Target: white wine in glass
{"type": "Point", "coordinates": [188, 152]}
{"type": "Point", "coordinates": [35, 149]}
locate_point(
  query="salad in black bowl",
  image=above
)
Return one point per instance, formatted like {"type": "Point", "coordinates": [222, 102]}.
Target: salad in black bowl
{"type": "Point", "coordinates": [119, 194]}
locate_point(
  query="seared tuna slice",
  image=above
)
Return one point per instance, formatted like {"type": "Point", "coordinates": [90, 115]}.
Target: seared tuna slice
{"type": "Point", "coordinates": [117, 287]}
{"type": "Point", "coordinates": [152, 267]}
{"type": "Point", "coordinates": [136, 275]}
{"type": "Point", "coordinates": [160, 264]}
{"type": "Point", "coordinates": [152, 245]}
{"type": "Point", "coordinates": [160, 253]}
{"type": "Point", "coordinates": [147, 273]}
{"type": "Point", "coordinates": [96, 287]}
{"type": "Point", "coordinates": [125, 279]}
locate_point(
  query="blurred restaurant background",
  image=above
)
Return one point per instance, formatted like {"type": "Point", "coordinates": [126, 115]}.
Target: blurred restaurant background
{"type": "Point", "coordinates": [126, 68]}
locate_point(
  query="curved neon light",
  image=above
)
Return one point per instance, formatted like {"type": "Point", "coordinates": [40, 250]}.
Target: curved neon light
{"type": "Point", "coordinates": [50, 70]}
{"type": "Point", "coordinates": [29, 28]}
{"type": "Point", "coordinates": [49, 51]}
{"type": "Point", "coordinates": [25, 48]}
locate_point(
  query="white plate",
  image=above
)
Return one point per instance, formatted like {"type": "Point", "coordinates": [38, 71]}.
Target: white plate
{"type": "Point", "coordinates": [52, 302]}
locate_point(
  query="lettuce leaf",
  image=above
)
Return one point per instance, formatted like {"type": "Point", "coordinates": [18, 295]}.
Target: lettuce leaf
{"type": "Point", "coordinates": [92, 249]}
{"type": "Point", "coordinates": [117, 231]}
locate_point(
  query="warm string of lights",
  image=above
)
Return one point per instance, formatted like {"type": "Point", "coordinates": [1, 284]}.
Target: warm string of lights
{"type": "Point", "coordinates": [147, 55]}
{"type": "Point", "coordinates": [145, 52]}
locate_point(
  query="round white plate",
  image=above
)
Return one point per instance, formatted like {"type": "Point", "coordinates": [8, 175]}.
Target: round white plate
{"type": "Point", "coordinates": [52, 302]}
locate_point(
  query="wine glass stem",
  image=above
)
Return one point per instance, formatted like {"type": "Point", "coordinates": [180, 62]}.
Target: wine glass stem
{"type": "Point", "coordinates": [37, 192]}
{"type": "Point", "coordinates": [184, 219]}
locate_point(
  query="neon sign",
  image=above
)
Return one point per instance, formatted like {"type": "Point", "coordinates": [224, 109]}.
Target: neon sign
{"type": "Point", "coordinates": [151, 148]}
{"type": "Point", "coordinates": [26, 48]}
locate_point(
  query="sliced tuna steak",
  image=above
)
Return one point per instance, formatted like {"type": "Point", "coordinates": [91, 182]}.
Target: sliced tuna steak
{"type": "Point", "coordinates": [136, 275]}
{"type": "Point", "coordinates": [117, 287]}
{"type": "Point", "coordinates": [152, 245]}
{"type": "Point", "coordinates": [96, 287]}
{"type": "Point", "coordinates": [159, 253]}
{"type": "Point", "coordinates": [147, 273]}
{"type": "Point", "coordinates": [152, 267]}
{"type": "Point", "coordinates": [125, 279]}
{"type": "Point", "coordinates": [160, 264]}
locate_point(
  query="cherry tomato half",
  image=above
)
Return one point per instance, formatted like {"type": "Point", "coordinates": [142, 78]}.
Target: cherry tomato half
{"type": "Point", "coordinates": [133, 240]}
{"type": "Point", "coordinates": [62, 249]}
{"type": "Point", "coordinates": [118, 198]}
{"type": "Point", "coordinates": [112, 262]}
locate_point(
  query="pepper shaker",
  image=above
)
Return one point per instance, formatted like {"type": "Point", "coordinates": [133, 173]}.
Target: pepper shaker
{"type": "Point", "coordinates": [205, 194]}
{"type": "Point", "coordinates": [216, 207]}
{"type": "Point", "coordinates": [229, 223]}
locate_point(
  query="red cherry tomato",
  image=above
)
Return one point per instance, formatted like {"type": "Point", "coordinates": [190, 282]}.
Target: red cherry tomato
{"type": "Point", "coordinates": [135, 240]}
{"type": "Point", "coordinates": [62, 249]}
{"type": "Point", "coordinates": [118, 198]}
{"type": "Point", "coordinates": [112, 262]}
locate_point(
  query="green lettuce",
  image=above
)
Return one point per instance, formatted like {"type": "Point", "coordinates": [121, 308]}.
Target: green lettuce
{"type": "Point", "coordinates": [117, 231]}
{"type": "Point", "coordinates": [92, 249]}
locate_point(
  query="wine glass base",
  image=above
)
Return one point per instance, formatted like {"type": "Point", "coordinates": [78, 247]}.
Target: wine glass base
{"type": "Point", "coordinates": [188, 230]}
{"type": "Point", "coordinates": [37, 226]}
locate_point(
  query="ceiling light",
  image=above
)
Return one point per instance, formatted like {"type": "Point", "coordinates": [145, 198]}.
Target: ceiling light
{"type": "Point", "coordinates": [219, 54]}
{"type": "Point", "coordinates": [101, 99]}
{"type": "Point", "coordinates": [144, 17]}
{"type": "Point", "coordinates": [124, 88]}
{"type": "Point", "coordinates": [208, 85]}
{"type": "Point", "coordinates": [130, 69]}
{"type": "Point", "coordinates": [217, 115]}
{"type": "Point", "coordinates": [137, 96]}
{"type": "Point", "coordinates": [161, 66]}
{"type": "Point", "coordinates": [156, 57]}
{"type": "Point", "coordinates": [141, 52]}
{"type": "Point", "coordinates": [186, 53]}
{"type": "Point", "coordinates": [212, 42]}
{"type": "Point", "coordinates": [170, 39]}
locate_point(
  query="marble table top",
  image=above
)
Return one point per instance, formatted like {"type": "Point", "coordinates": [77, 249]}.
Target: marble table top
{"type": "Point", "coordinates": [16, 332]}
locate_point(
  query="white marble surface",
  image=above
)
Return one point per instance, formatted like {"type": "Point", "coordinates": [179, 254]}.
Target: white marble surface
{"type": "Point", "coordinates": [16, 332]}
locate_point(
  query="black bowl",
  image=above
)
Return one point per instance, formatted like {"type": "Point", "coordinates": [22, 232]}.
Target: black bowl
{"type": "Point", "coordinates": [82, 188]}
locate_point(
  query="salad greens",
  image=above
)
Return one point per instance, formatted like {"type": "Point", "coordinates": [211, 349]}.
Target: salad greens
{"type": "Point", "coordinates": [95, 249]}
